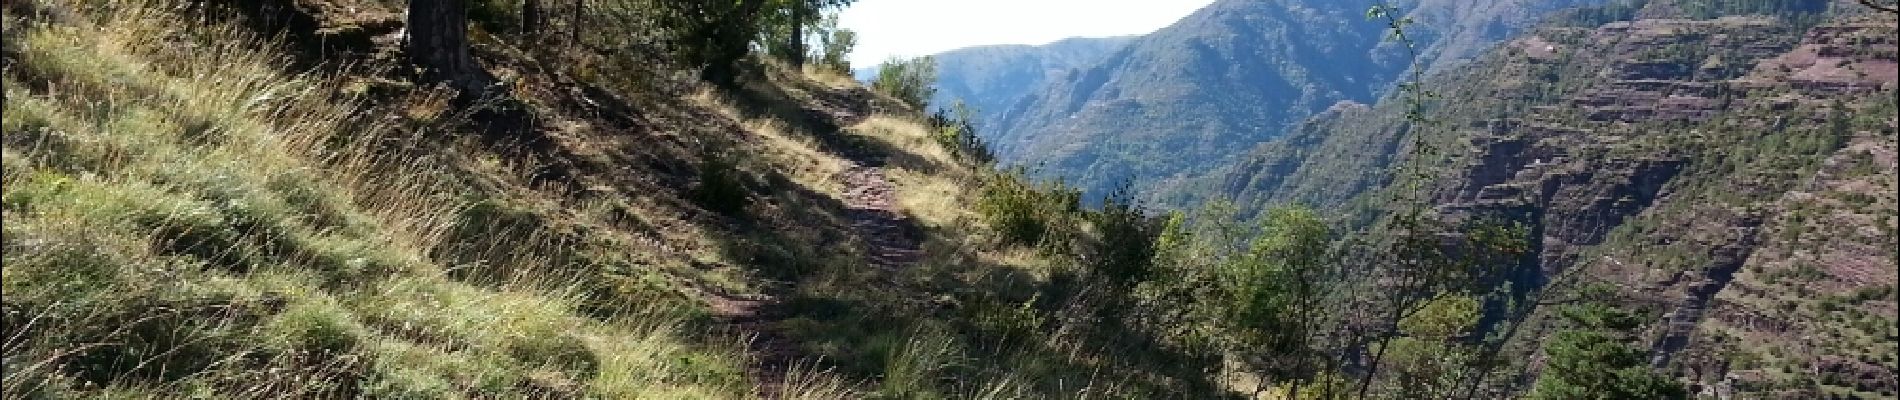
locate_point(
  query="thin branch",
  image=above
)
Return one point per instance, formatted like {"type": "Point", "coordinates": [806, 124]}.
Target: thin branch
{"type": "Point", "coordinates": [1874, 4]}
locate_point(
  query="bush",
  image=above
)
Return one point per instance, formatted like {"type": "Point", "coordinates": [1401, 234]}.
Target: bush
{"type": "Point", "coordinates": [956, 132]}
{"type": "Point", "coordinates": [720, 188]}
{"type": "Point", "coordinates": [1126, 252]}
{"type": "Point", "coordinates": [1022, 213]}
{"type": "Point", "coordinates": [911, 81]}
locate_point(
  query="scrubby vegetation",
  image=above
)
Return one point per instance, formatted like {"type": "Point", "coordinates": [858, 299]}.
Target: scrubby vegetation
{"type": "Point", "coordinates": [912, 81]}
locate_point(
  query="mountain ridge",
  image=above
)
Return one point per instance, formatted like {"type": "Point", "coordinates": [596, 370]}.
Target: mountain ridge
{"type": "Point", "coordinates": [995, 77]}
{"type": "Point", "coordinates": [1194, 95]}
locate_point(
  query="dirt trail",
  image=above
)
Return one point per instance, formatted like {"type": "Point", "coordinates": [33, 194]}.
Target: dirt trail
{"type": "Point", "coordinates": [769, 354]}
{"type": "Point", "coordinates": [876, 218]}
{"type": "Point", "coordinates": [872, 199]}
{"type": "Point", "coordinates": [871, 207]}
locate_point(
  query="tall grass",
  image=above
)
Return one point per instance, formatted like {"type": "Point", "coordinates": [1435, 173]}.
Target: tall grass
{"type": "Point", "coordinates": [186, 218]}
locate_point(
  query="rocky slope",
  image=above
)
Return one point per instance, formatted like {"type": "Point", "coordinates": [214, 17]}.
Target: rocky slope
{"type": "Point", "coordinates": [1729, 168]}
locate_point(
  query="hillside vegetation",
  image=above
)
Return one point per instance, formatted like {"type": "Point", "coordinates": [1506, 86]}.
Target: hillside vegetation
{"type": "Point", "coordinates": [990, 79]}
{"type": "Point", "coordinates": [684, 199]}
{"type": "Point", "coordinates": [1196, 95]}
{"type": "Point", "coordinates": [191, 211]}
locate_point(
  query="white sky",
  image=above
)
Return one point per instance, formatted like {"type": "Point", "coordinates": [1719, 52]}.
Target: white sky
{"type": "Point", "coordinates": [910, 28]}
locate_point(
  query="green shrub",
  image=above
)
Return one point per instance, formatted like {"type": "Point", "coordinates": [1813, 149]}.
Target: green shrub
{"type": "Point", "coordinates": [712, 35]}
{"type": "Point", "coordinates": [1126, 251]}
{"type": "Point", "coordinates": [911, 81]}
{"type": "Point", "coordinates": [956, 131]}
{"type": "Point", "coordinates": [1023, 213]}
{"type": "Point", "coordinates": [720, 188]}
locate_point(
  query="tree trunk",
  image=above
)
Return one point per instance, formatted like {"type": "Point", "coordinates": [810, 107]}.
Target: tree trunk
{"type": "Point", "coordinates": [574, 28]}
{"type": "Point", "coordinates": [531, 18]}
{"type": "Point", "coordinates": [436, 40]}
{"type": "Point", "coordinates": [797, 56]}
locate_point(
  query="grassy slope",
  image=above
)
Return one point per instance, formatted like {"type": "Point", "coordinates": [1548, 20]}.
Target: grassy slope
{"type": "Point", "coordinates": [182, 216]}
{"type": "Point", "coordinates": [185, 217]}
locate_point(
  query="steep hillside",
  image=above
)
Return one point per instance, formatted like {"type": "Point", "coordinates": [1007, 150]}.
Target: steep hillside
{"type": "Point", "coordinates": [1725, 165]}
{"type": "Point", "coordinates": [186, 214]}
{"type": "Point", "coordinates": [262, 200]}
{"type": "Point", "coordinates": [990, 79]}
{"type": "Point", "coordinates": [1193, 95]}
{"type": "Point", "coordinates": [239, 199]}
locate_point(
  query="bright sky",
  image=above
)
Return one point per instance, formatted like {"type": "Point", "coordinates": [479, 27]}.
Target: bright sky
{"type": "Point", "coordinates": [910, 28]}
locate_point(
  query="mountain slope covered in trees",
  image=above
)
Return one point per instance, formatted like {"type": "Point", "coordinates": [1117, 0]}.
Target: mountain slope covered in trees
{"type": "Point", "coordinates": [989, 79]}
{"type": "Point", "coordinates": [1724, 168]}
{"type": "Point", "coordinates": [1193, 95]}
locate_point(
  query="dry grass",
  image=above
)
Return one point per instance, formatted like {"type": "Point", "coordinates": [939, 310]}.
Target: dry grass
{"type": "Point", "coordinates": [829, 78]}
{"type": "Point", "coordinates": [938, 189]}
{"type": "Point", "coordinates": [782, 147]}
{"type": "Point", "coordinates": [184, 217]}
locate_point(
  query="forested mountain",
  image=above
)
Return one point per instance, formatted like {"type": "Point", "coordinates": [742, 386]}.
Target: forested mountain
{"type": "Point", "coordinates": [1728, 166]}
{"type": "Point", "coordinates": [1189, 97]}
{"type": "Point", "coordinates": [989, 79]}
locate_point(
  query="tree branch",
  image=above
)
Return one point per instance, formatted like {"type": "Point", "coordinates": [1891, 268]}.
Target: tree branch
{"type": "Point", "coordinates": [1874, 4]}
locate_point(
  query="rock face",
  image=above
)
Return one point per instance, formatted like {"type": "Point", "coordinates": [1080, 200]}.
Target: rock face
{"type": "Point", "coordinates": [1699, 180]}
{"type": "Point", "coordinates": [1735, 174]}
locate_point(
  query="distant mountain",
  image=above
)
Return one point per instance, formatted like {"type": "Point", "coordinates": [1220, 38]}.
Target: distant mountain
{"type": "Point", "coordinates": [1217, 83]}
{"type": "Point", "coordinates": [992, 78]}
{"type": "Point", "coordinates": [989, 79]}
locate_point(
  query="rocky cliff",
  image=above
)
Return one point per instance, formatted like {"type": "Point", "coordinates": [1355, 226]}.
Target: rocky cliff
{"type": "Point", "coordinates": [1731, 170]}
